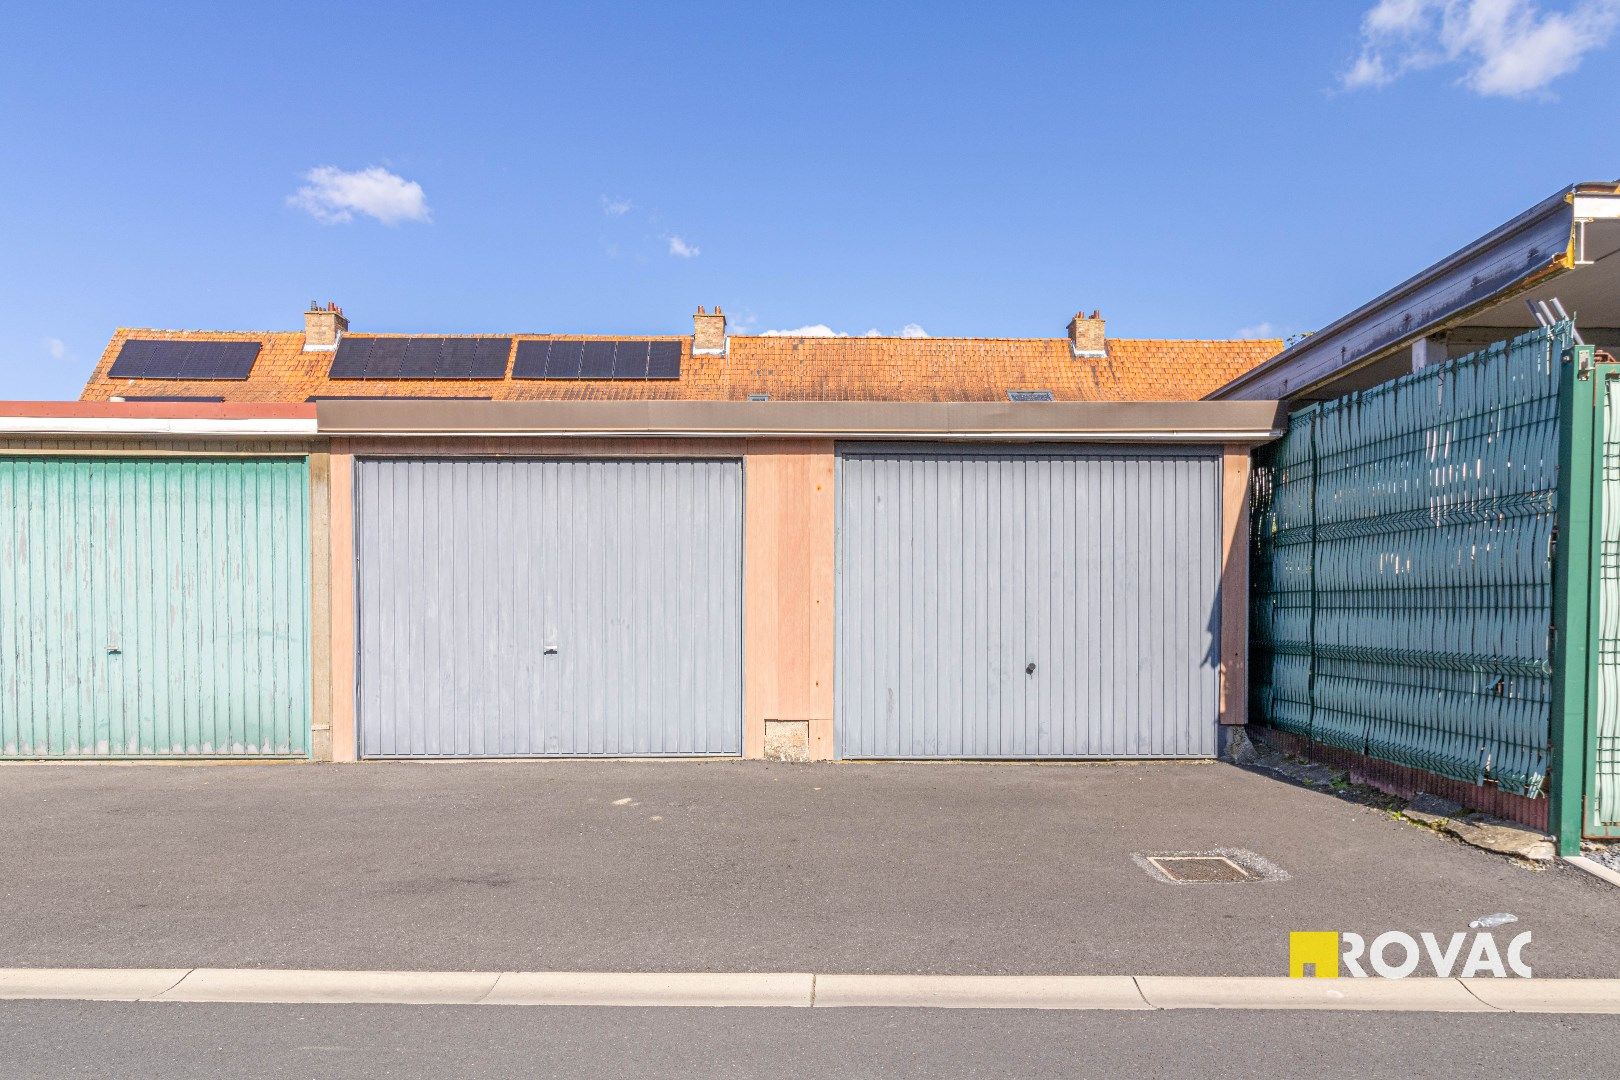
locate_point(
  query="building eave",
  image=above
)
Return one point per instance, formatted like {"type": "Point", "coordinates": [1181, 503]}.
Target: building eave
{"type": "Point", "coordinates": [89, 418]}
{"type": "Point", "coordinates": [1168, 421]}
{"type": "Point", "coordinates": [1529, 250]}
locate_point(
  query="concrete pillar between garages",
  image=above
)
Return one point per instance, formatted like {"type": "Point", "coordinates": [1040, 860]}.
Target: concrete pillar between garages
{"type": "Point", "coordinates": [788, 556]}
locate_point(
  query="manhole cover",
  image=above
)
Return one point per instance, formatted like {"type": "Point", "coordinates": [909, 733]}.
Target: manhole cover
{"type": "Point", "coordinates": [1220, 866]}
{"type": "Point", "coordinates": [1199, 868]}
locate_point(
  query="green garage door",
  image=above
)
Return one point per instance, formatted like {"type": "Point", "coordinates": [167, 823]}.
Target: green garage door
{"type": "Point", "coordinates": [154, 607]}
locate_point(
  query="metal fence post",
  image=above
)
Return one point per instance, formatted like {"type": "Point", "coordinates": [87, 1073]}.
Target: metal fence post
{"type": "Point", "coordinates": [1572, 570]}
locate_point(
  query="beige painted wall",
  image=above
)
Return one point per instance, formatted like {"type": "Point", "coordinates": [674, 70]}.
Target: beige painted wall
{"type": "Point", "coordinates": [788, 554]}
{"type": "Point", "coordinates": [320, 608]}
{"type": "Point", "coordinates": [1235, 585]}
{"type": "Point", "coordinates": [341, 627]}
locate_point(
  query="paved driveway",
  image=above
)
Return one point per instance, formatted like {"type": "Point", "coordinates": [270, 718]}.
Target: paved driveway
{"type": "Point", "coordinates": [730, 866]}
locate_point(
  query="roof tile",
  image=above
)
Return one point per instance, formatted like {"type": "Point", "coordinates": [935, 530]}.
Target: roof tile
{"type": "Point", "coordinates": [785, 368]}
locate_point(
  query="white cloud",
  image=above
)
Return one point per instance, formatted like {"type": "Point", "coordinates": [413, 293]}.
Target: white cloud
{"type": "Point", "coordinates": [911, 330]}
{"type": "Point", "coordinates": [57, 348]}
{"type": "Point", "coordinates": [1506, 48]}
{"type": "Point", "coordinates": [740, 320]}
{"type": "Point", "coordinates": [614, 207]}
{"type": "Point", "coordinates": [816, 330]}
{"type": "Point", "coordinates": [333, 196]}
{"type": "Point", "coordinates": [1258, 330]}
{"type": "Point", "coordinates": [681, 249]}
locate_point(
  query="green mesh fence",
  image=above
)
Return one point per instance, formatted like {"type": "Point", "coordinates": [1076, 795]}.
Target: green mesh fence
{"type": "Point", "coordinates": [1403, 570]}
{"type": "Point", "coordinates": [1603, 783]}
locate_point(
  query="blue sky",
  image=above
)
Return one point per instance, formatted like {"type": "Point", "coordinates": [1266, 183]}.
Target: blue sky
{"type": "Point", "coordinates": [1192, 170]}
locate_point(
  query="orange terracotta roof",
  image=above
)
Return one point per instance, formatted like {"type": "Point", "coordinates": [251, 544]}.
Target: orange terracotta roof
{"type": "Point", "coordinates": [785, 368]}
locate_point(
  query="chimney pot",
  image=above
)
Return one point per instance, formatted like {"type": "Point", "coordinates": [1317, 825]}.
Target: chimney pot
{"type": "Point", "coordinates": [709, 333]}
{"type": "Point", "coordinates": [1086, 336]}
{"type": "Point", "coordinates": [323, 327]}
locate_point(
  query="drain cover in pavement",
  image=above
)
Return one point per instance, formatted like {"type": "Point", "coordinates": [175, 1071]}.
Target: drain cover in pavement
{"type": "Point", "coordinates": [1199, 868]}
{"type": "Point", "coordinates": [1228, 866]}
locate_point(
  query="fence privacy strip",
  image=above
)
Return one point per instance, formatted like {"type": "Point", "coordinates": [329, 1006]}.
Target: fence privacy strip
{"type": "Point", "coordinates": [1402, 587]}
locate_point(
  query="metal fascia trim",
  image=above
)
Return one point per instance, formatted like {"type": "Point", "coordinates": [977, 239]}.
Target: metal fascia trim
{"type": "Point", "coordinates": [106, 425]}
{"type": "Point", "coordinates": [985, 435]}
{"type": "Point", "coordinates": [1267, 378]}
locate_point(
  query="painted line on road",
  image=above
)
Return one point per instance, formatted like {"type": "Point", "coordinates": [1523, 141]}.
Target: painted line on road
{"type": "Point", "coordinates": [805, 990]}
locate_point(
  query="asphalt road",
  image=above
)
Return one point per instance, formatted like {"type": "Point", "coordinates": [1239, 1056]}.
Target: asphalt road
{"type": "Point", "coordinates": [44, 1040]}
{"type": "Point", "coordinates": [994, 869]}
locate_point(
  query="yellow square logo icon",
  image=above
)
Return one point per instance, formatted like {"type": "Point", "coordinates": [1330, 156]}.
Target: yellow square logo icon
{"type": "Point", "coordinates": [1314, 949]}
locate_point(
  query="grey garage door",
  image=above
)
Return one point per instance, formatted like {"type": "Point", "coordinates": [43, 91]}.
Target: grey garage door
{"type": "Point", "coordinates": [1021, 603]}
{"type": "Point", "coordinates": [536, 607]}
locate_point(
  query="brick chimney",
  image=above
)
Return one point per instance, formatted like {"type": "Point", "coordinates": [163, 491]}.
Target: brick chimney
{"type": "Point", "coordinates": [1086, 336]}
{"type": "Point", "coordinates": [709, 333]}
{"type": "Point", "coordinates": [323, 326]}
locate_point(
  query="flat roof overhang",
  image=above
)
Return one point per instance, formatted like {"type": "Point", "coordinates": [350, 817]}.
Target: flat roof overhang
{"type": "Point", "coordinates": [1569, 233]}
{"type": "Point", "coordinates": [1134, 421]}
{"type": "Point", "coordinates": [156, 418]}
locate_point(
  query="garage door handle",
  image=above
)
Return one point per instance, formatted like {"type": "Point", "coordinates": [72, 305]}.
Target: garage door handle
{"type": "Point", "coordinates": [1029, 668]}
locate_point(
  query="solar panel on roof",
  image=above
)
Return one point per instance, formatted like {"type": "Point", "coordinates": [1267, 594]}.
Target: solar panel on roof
{"type": "Point", "coordinates": [563, 359]}
{"type": "Point", "coordinates": [420, 358]}
{"type": "Point", "coordinates": [419, 361]}
{"type": "Point", "coordinates": [630, 359]}
{"type": "Point", "coordinates": [144, 358]}
{"type": "Point", "coordinates": [598, 360]}
{"type": "Point", "coordinates": [468, 358]}
{"type": "Point", "coordinates": [1029, 395]}
{"type": "Point", "coordinates": [578, 358]}
{"type": "Point", "coordinates": [529, 362]}
{"type": "Point", "coordinates": [664, 360]}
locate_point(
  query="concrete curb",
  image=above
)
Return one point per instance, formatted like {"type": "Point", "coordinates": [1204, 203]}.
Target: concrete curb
{"type": "Point", "coordinates": [1593, 867]}
{"type": "Point", "coordinates": [1394, 995]}
{"type": "Point", "coordinates": [699, 989]}
{"type": "Point", "coordinates": [979, 991]}
{"type": "Point", "coordinates": [1548, 995]}
{"type": "Point", "coordinates": [803, 990]}
{"type": "Point", "coordinates": [88, 984]}
{"type": "Point", "coordinates": [293, 987]}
